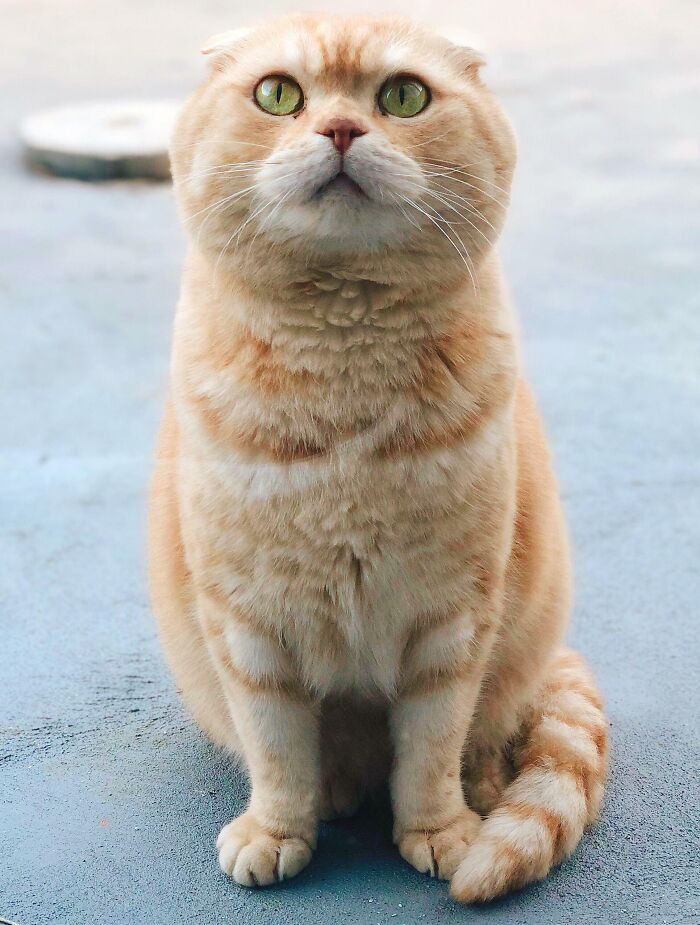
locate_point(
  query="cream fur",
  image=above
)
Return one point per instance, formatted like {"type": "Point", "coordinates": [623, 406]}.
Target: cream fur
{"type": "Point", "coordinates": [359, 564]}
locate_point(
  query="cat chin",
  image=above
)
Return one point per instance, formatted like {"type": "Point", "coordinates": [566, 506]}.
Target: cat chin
{"type": "Point", "coordinates": [340, 222]}
{"type": "Point", "coordinates": [341, 187]}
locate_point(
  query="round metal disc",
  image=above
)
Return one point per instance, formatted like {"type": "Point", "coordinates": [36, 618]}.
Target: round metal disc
{"type": "Point", "coordinates": [102, 141]}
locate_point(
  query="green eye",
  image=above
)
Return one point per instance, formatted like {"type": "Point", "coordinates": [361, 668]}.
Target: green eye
{"type": "Point", "coordinates": [403, 97]}
{"type": "Point", "coordinates": [280, 96]}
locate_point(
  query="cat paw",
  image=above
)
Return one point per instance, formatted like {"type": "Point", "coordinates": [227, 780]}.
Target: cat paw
{"type": "Point", "coordinates": [254, 857]}
{"type": "Point", "coordinates": [485, 784]}
{"type": "Point", "coordinates": [485, 794]}
{"type": "Point", "coordinates": [341, 797]}
{"type": "Point", "coordinates": [441, 851]}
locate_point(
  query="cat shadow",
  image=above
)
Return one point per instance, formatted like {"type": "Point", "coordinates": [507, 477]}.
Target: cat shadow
{"type": "Point", "coordinates": [354, 843]}
{"type": "Point", "coordinates": [356, 861]}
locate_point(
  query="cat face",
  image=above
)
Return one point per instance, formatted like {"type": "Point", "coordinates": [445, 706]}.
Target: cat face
{"type": "Point", "coordinates": [343, 136]}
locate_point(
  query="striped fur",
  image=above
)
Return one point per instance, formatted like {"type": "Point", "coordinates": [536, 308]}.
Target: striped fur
{"type": "Point", "coordinates": [359, 562]}
{"type": "Point", "coordinates": [561, 768]}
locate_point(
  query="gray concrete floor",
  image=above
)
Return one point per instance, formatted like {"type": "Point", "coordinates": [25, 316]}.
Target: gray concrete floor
{"type": "Point", "coordinates": [111, 798]}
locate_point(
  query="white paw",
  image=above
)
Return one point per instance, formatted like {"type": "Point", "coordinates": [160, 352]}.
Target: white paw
{"type": "Point", "coordinates": [440, 852]}
{"type": "Point", "coordinates": [253, 857]}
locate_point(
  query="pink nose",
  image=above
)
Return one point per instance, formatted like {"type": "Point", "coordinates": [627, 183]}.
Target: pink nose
{"type": "Point", "coordinates": [342, 131]}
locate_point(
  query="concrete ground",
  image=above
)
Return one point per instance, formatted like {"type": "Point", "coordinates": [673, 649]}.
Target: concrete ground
{"type": "Point", "coordinates": [111, 798]}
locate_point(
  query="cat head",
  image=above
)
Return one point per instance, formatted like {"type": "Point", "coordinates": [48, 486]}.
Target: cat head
{"type": "Point", "coordinates": [338, 137]}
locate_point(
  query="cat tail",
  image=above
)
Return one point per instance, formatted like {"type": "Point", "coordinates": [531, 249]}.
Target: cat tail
{"type": "Point", "coordinates": [561, 766]}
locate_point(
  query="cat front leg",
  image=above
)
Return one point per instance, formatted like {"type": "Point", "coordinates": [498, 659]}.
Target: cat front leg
{"type": "Point", "coordinates": [433, 826]}
{"type": "Point", "coordinates": [278, 725]}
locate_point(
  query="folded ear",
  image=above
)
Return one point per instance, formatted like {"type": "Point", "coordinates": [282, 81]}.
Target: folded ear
{"type": "Point", "coordinates": [462, 48]}
{"type": "Point", "coordinates": [470, 59]}
{"type": "Point", "coordinates": [224, 44]}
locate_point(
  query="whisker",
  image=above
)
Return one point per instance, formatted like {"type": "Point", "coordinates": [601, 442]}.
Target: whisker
{"type": "Point", "coordinates": [446, 175]}
{"type": "Point", "coordinates": [462, 253]}
{"type": "Point", "coordinates": [477, 189]}
{"type": "Point", "coordinates": [219, 202]}
{"type": "Point", "coordinates": [431, 140]}
{"type": "Point", "coordinates": [455, 169]}
{"type": "Point", "coordinates": [267, 218]}
{"type": "Point", "coordinates": [218, 141]}
{"type": "Point", "coordinates": [450, 194]}
{"type": "Point", "coordinates": [457, 211]}
{"type": "Point", "coordinates": [223, 170]}
{"type": "Point", "coordinates": [237, 233]}
{"type": "Point", "coordinates": [403, 211]}
{"type": "Point", "coordinates": [446, 191]}
{"type": "Point", "coordinates": [232, 165]}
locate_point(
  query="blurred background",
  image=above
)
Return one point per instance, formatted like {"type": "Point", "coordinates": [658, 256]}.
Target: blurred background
{"type": "Point", "coordinates": [111, 799]}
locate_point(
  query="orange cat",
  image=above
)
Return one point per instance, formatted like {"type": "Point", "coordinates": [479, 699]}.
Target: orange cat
{"type": "Point", "coordinates": [359, 563]}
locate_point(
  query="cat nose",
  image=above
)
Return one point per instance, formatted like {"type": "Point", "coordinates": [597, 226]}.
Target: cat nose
{"type": "Point", "coordinates": [342, 131]}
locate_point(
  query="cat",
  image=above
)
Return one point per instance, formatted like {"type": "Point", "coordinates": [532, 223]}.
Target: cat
{"type": "Point", "coordinates": [359, 563]}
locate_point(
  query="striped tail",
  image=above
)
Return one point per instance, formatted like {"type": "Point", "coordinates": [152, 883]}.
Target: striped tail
{"type": "Point", "coordinates": [561, 768]}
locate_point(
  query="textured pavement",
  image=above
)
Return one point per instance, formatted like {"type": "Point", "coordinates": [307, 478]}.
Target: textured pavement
{"type": "Point", "coordinates": [110, 798]}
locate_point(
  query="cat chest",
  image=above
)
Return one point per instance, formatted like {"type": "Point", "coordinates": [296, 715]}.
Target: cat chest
{"type": "Point", "coordinates": [342, 555]}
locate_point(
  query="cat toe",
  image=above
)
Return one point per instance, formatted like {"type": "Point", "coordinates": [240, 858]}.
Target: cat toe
{"type": "Point", "coordinates": [440, 852]}
{"type": "Point", "coordinates": [253, 857]}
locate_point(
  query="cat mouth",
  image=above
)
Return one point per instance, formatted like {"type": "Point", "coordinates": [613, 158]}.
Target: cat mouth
{"type": "Point", "coordinates": [341, 184]}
